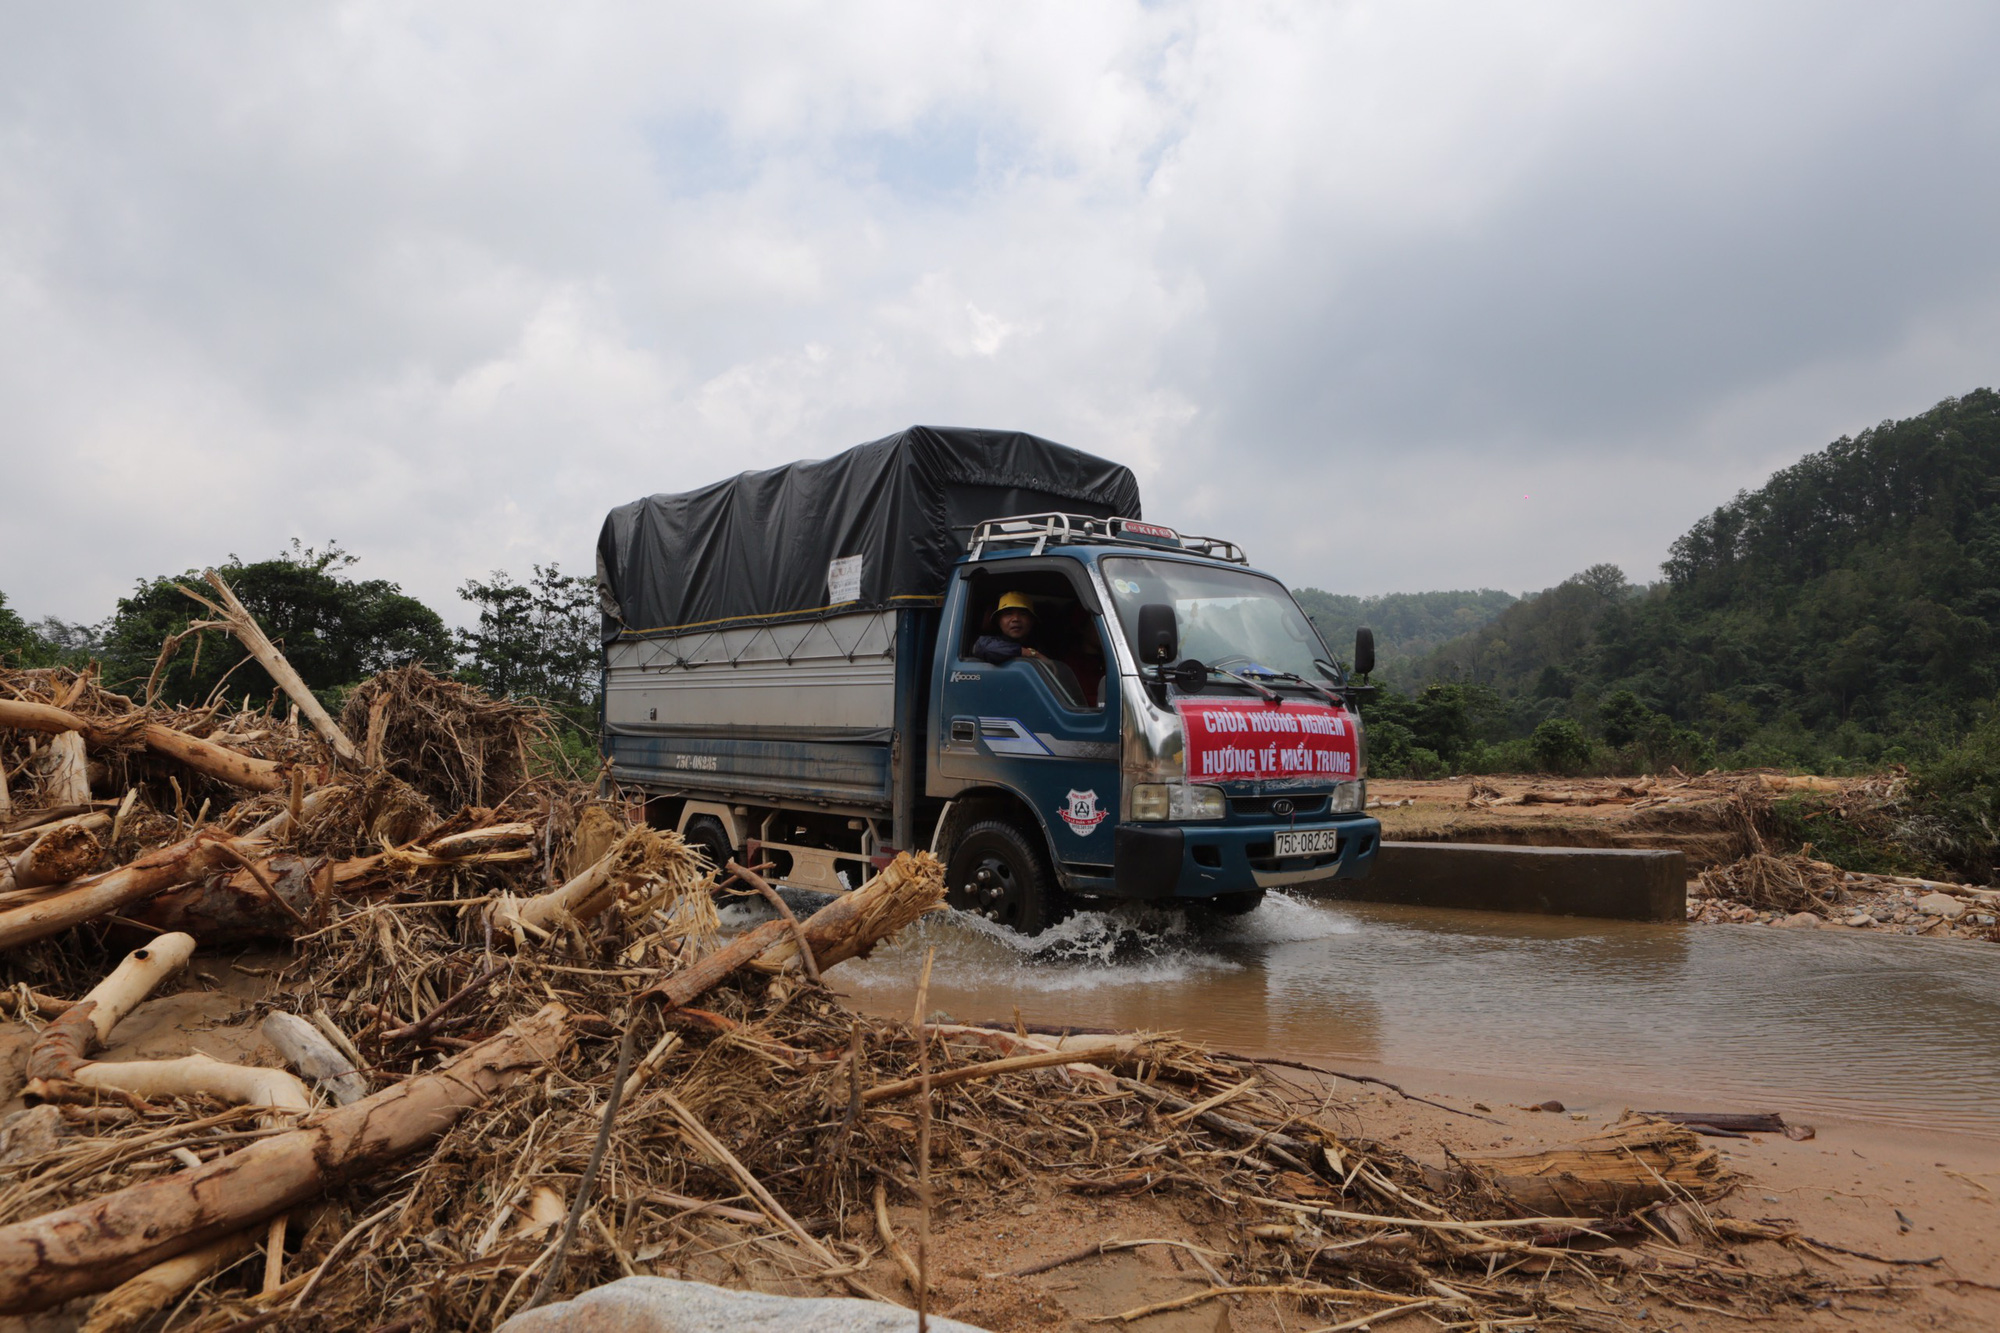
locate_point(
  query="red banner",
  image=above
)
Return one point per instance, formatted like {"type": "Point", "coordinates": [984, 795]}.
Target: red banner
{"type": "Point", "coordinates": [1237, 740]}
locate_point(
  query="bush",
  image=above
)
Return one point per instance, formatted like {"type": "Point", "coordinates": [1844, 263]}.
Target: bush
{"type": "Point", "coordinates": [1425, 763]}
{"type": "Point", "coordinates": [1559, 746]}
{"type": "Point", "coordinates": [1958, 794]}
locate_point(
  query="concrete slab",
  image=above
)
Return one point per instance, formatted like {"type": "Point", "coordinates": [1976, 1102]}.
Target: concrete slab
{"type": "Point", "coordinates": [1555, 881]}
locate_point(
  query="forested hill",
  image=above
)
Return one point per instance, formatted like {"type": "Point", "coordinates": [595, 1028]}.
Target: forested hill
{"type": "Point", "coordinates": [1849, 609]}
{"type": "Point", "coordinates": [1407, 625]}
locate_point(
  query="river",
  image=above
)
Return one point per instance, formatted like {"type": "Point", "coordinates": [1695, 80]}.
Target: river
{"type": "Point", "coordinates": [1866, 1027]}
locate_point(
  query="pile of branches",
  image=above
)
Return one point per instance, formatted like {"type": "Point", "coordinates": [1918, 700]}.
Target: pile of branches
{"type": "Point", "coordinates": [524, 1061]}
{"type": "Point", "coordinates": [451, 742]}
{"type": "Point", "coordinates": [1777, 883]}
{"type": "Point", "coordinates": [646, 1097]}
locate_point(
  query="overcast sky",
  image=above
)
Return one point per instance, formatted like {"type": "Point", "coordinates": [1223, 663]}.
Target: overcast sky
{"type": "Point", "coordinates": [1398, 295]}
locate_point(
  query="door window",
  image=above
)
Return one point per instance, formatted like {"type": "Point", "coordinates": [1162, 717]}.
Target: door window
{"type": "Point", "coordinates": [1062, 641]}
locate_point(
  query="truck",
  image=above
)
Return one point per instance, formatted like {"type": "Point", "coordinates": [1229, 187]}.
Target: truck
{"type": "Point", "coordinates": [799, 669]}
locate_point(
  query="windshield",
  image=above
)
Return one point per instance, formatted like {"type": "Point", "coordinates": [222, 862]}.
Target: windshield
{"type": "Point", "coordinates": [1228, 618]}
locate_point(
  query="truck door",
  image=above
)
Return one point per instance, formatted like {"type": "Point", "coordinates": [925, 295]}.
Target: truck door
{"type": "Point", "coordinates": [1045, 726]}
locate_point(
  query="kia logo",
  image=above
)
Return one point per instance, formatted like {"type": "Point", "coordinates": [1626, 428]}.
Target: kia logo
{"type": "Point", "coordinates": [1281, 807]}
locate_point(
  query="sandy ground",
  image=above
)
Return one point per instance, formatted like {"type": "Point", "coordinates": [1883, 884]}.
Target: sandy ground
{"type": "Point", "coordinates": [1693, 816]}
{"type": "Point", "coordinates": [1896, 1195]}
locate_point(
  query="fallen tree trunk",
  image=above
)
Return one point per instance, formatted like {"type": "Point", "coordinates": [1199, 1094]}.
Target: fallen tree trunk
{"type": "Point", "coordinates": [111, 891]}
{"type": "Point", "coordinates": [13, 841]}
{"type": "Point", "coordinates": [53, 1258]}
{"type": "Point", "coordinates": [59, 1068]}
{"type": "Point", "coordinates": [239, 907]}
{"type": "Point", "coordinates": [206, 757]}
{"type": "Point", "coordinates": [853, 923]}
{"type": "Point", "coordinates": [679, 988]}
{"type": "Point", "coordinates": [237, 619]}
{"type": "Point", "coordinates": [215, 761]}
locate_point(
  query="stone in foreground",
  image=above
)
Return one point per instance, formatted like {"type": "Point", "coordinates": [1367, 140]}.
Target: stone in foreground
{"type": "Point", "coordinates": [669, 1305]}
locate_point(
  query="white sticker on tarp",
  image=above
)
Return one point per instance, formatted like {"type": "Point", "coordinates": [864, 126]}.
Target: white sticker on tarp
{"type": "Point", "coordinates": [843, 579]}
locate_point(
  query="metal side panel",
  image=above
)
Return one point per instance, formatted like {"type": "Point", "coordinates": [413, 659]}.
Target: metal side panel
{"type": "Point", "coordinates": [835, 677]}
{"type": "Point", "coordinates": [839, 773]}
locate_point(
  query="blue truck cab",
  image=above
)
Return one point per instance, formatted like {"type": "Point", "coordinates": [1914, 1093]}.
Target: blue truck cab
{"type": "Point", "coordinates": [1168, 727]}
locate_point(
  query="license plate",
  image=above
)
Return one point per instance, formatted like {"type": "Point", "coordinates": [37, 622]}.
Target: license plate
{"type": "Point", "coordinates": [1308, 842]}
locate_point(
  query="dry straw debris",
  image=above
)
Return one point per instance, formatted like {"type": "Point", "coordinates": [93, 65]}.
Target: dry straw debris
{"type": "Point", "coordinates": [537, 1065]}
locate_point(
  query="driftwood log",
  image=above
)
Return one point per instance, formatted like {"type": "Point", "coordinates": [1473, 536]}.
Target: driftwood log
{"type": "Point", "coordinates": [59, 1067]}
{"type": "Point", "coordinates": [116, 889]}
{"type": "Point", "coordinates": [853, 923]}
{"type": "Point", "coordinates": [638, 855]}
{"type": "Point", "coordinates": [68, 781]}
{"type": "Point", "coordinates": [53, 1258]}
{"type": "Point", "coordinates": [63, 853]}
{"type": "Point", "coordinates": [66, 1044]}
{"type": "Point", "coordinates": [307, 1050]}
{"type": "Point", "coordinates": [1633, 1163]}
{"type": "Point", "coordinates": [205, 757]}
{"type": "Point", "coordinates": [132, 1303]}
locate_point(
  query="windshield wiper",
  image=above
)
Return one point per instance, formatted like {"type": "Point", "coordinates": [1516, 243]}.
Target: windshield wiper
{"type": "Point", "coordinates": [1269, 696]}
{"type": "Point", "coordinates": [1329, 695]}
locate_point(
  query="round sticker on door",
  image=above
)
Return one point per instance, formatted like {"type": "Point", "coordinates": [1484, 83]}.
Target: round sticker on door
{"type": "Point", "coordinates": [1081, 813]}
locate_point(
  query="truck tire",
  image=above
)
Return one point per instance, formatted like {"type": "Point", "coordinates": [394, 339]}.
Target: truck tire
{"type": "Point", "coordinates": [999, 872]}
{"type": "Point", "coordinates": [706, 835]}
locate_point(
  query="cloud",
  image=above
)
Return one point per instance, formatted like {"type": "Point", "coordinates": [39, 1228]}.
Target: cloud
{"type": "Point", "coordinates": [1343, 282]}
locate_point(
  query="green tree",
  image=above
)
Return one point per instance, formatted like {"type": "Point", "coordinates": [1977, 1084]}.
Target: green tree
{"type": "Point", "coordinates": [18, 643]}
{"type": "Point", "coordinates": [1559, 746]}
{"type": "Point", "coordinates": [335, 630]}
{"type": "Point", "coordinates": [1621, 717]}
{"type": "Point", "coordinates": [535, 640]}
{"type": "Point", "coordinates": [1846, 610]}
{"type": "Point", "coordinates": [1407, 624]}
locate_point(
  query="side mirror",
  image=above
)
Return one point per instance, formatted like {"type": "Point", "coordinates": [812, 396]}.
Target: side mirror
{"type": "Point", "coordinates": [1364, 651]}
{"type": "Point", "coordinates": [1159, 634]}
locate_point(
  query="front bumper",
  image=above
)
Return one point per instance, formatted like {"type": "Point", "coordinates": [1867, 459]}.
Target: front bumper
{"type": "Point", "coordinates": [1202, 860]}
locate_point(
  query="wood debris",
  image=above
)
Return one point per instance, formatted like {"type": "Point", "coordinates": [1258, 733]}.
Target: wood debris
{"type": "Point", "coordinates": [507, 1091]}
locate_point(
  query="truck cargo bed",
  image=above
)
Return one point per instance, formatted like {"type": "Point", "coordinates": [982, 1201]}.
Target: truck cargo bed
{"type": "Point", "coordinates": [798, 711]}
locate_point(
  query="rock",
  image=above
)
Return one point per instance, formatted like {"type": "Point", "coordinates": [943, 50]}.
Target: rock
{"type": "Point", "coordinates": [668, 1305]}
{"type": "Point", "coordinates": [1800, 921]}
{"type": "Point", "coordinates": [1860, 919]}
{"type": "Point", "coordinates": [26, 1135]}
{"type": "Point", "coordinates": [1941, 904]}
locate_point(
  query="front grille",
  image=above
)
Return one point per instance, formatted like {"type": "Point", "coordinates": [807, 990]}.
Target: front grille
{"type": "Point", "coordinates": [1259, 807]}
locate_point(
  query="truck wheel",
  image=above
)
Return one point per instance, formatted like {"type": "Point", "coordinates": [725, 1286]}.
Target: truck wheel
{"type": "Point", "coordinates": [705, 834]}
{"type": "Point", "coordinates": [998, 872]}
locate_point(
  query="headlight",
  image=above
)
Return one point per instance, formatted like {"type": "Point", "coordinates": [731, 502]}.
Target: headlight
{"type": "Point", "coordinates": [1349, 797]}
{"type": "Point", "coordinates": [1163, 800]}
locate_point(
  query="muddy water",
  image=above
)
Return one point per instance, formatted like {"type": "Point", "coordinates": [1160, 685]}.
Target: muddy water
{"type": "Point", "coordinates": [1857, 1026]}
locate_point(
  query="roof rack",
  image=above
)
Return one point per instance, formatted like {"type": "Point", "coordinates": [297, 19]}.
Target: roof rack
{"type": "Point", "coordinates": [1042, 531]}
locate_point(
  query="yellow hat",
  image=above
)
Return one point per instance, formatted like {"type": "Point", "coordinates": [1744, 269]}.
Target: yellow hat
{"type": "Point", "coordinates": [1015, 601]}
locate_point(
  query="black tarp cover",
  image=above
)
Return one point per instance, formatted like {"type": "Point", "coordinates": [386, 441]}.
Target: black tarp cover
{"type": "Point", "coordinates": [765, 545]}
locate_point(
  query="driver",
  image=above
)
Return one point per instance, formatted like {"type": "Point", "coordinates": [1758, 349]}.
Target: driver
{"type": "Point", "coordinates": [1014, 618]}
